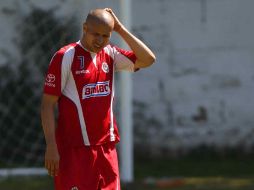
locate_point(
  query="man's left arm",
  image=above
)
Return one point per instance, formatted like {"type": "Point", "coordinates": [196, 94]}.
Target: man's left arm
{"type": "Point", "coordinates": [145, 57]}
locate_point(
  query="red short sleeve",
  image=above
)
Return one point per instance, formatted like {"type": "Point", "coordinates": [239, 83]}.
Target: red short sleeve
{"type": "Point", "coordinates": [52, 83]}
{"type": "Point", "coordinates": [128, 54]}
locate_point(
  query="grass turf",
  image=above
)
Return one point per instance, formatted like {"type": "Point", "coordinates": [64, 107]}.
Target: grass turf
{"type": "Point", "coordinates": [192, 173]}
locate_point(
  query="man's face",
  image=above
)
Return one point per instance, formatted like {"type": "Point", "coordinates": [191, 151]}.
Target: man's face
{"type": "Point", "coordinates": [96, 36]}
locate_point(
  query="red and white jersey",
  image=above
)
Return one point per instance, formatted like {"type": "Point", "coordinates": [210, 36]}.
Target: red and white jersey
{"type": "Point", "coordinates": [84, 83]}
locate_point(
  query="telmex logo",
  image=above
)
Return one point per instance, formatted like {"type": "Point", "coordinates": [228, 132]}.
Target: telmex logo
{"type": "Point", "coordinates": [96, 90]}
{"type": "Point", "coordinates": [50, 78]}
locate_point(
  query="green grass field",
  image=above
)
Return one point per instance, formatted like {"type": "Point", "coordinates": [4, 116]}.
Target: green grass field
{"type": "Point", "coordinates": [195, 173]}
{"type": "Point", "coordinates": [188, 183]}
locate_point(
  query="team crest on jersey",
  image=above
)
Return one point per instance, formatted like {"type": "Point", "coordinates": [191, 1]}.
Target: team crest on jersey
{"type": "Point", "coordinates": [96, 90]}
{"type": "Point", "coordinates": [105, 67]}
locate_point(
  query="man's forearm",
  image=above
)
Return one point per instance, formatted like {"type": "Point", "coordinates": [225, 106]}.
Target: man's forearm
{"type": "Point", "coordinates": [48, 124]}
{"type": "Point", "coordinates": [145, 56]}
{"type": "Point", "coordinates": [142, 52]}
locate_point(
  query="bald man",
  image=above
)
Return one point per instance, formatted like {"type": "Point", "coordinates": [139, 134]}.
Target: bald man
{"type": "Point", "coordinates": [80, 146]}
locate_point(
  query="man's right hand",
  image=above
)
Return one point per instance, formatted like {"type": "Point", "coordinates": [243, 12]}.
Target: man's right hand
{"type": "Point", "coordinates": [52, 160]}
{"type": "Point", "coordinates": [49, 126]}
{"type": "Point", "coordinates": [117, 24]}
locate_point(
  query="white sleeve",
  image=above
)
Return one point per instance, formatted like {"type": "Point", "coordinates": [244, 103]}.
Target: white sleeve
{"type": "Point", "coordinates": [121, 61]}
{"type": "Point", "coordinates": [66, 66]}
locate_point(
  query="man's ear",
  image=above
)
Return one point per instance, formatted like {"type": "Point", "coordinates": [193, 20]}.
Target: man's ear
{"type": "Point", "coordinates": [84, 27]}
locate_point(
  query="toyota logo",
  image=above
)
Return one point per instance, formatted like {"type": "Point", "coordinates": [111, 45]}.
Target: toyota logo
{"type": "Point", "coordinates": [50, 78]}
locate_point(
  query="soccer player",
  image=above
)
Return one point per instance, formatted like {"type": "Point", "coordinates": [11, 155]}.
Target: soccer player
{"type": "Point", "coordinates": [80, 147]}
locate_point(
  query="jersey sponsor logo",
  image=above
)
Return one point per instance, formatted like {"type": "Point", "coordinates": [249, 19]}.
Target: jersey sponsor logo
{"type": "Point", "coordinates": [50, 79]}
{"type": "Point", "coordinates": [96, 90]}
{"type": "Point", "coordinates": [105, 67]}
{"type": "Point", "coordinates": [82, 72]}
{"type": "Point", "coordinates": [74, 188]}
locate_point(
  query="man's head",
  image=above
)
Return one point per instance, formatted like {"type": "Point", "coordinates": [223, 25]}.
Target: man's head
{"type": "Point", "coordinates": [97, 30]}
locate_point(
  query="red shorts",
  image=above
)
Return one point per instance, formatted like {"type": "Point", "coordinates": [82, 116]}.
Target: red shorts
{"type": "Point", "coordinates": [88, 168]}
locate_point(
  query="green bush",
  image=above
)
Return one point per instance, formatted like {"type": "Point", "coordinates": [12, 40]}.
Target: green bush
{"type": "Point", "coordinates": [40, 34]}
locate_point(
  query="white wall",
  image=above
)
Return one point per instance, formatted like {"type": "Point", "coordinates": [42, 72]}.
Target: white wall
{"type": "Point", "coordinates": [204, 58]}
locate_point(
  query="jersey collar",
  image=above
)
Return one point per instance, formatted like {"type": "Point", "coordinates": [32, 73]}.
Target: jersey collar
{"type": "Point", "coordinates": [79, 43]}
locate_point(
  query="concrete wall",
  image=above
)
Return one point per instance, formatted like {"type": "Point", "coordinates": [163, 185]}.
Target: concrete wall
{"type": "Point", "coordinates": [201, 89]}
